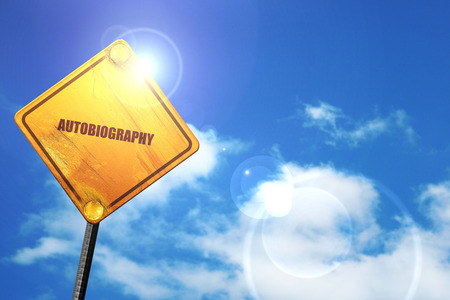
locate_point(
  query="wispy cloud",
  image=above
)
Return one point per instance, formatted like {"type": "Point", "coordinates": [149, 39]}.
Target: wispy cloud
{"type": "Point", "coordinates": [435, 201]}
{"type": "Point", "coordinates": [402, 263]}
{"type": "Point", "coordinates": [145, 282]}
{"type": "Point", "coordinates": [166, 279]}
{"type": "Point", "coordinates": [48, 247]}
{"type": "Point", "coordinates": [341, 128]}
{"type": "Point", "coordinates": [170, 277]}
{"type": "Point", "coordinates": [202, 281]}
{"type": "Point", "coordinates": [329, 244]}
{"type": "Point", "coordinates": [47, 295]}
{"type": "Point", "coordinates": [9, 106]}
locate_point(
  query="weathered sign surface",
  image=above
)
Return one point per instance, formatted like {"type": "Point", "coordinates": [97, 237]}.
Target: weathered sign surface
{"type": "Point", "coordinates": [106, 132]}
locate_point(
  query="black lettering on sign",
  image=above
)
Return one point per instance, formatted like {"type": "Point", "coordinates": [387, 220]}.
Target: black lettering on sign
{"type": "Point", "coordinates": [134, 136]}
{"type": "Point", "coordinates": [119, 135]}
{"type": "Point", "coordinates": [112, 133]}
{"type": "Point", "coordinates": [84, 127]}
{"type": "Point", "coordinates": [91, 129]}
{"type": "Point", "coordinates": [127, 136]}
{"type": "Point", "coordinates": [142, 137]}
{"type": "Point", "coordinates": [103, 131]}
{"type": "Point", "coordinates": [61, 124]}
{"type": "Point", "coordinates": [76, 126]}
{"type": "Point", "coordinates": [150, 138]}
{"type": "Point", "coordinates": [69, 126]}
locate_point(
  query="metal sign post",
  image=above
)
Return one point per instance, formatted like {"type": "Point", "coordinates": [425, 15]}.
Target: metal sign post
{"type": "Point", "coordinates": [84, 266]}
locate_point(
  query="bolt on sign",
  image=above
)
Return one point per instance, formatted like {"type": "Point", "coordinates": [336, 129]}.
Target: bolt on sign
{"type": "Point", "coordinates": [106, 132]}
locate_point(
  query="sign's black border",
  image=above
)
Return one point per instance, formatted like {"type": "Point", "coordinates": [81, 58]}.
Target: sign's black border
{"type": "Point", "coordinates": [56, 166]}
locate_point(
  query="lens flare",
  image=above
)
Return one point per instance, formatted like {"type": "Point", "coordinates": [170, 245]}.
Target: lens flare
{"type": "Point", "coordinates": [119, 53]}
{"type": "Point", "coordinates": [161, 52]}
{"type": "Point", "coordinates": [148, 66]}
{"type": "Point", "coordinates": [261, 187]}
{"type": "Point", "coordinates": [313, 238]}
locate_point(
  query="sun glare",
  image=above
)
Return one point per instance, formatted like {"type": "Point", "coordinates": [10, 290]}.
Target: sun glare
{"type": "Point", "coordinates": [148, 66]}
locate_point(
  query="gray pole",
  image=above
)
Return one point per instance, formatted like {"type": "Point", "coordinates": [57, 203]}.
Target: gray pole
{"type": "Point", "coordinates": [84, 266]}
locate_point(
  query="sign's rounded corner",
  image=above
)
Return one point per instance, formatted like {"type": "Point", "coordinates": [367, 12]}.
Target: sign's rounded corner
{"type": "Point", "coordinates": [121, 42]}
{"type": "Point", "coordinates": [18, 117]}
{"type": "Point", "coordinates": [195, 145]}
{"type": "Point", "coordinates": [92, 222]}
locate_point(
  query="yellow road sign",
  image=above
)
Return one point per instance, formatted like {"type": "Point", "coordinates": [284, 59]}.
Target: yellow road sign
{"type": "Point", "coordinates": [106, 132]}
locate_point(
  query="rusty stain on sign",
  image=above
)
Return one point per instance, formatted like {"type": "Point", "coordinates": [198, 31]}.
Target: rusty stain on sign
{"type": "Point", "coordinates": [106, 132]}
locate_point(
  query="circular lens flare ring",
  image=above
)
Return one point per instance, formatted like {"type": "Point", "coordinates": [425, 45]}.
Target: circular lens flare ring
{"type": "Point", "coordinates": [119, 53]}
{"type": "Point", "coordinates": [318, 232]}
{"type": "Point", "coordinates": [156, 63]}
{"type": "Point", "coordinates": [410, 226]}
{"type": "Point", "coordinates": [261, 187]}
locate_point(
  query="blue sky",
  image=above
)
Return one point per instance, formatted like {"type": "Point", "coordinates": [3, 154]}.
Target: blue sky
{"type": "Point", "coordinates": [322, 171]}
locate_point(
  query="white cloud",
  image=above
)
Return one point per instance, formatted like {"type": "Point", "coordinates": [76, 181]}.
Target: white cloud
{"type": "Point", "coordinates": [404, 263]}
{"type": "Point", "coordinates": [7, 105]}
{"type": "Point", "coordinates": [136, 279]}
{"type": "Point", "coordinates": [47, 295]}
{"type": "Point", "coordinates": [202, 281]}
{"type": "Point", "coordinates": [331, 244]}
{"type": "Point", "coordinates": [47, 247]}
{"type": "Point", "coordinates": [435, 200]}
{"type": "Point", "coordinates": [268, 198]}
{"type": "Point", "coordinates": [368, 278]}
{"type": "Point", "coordinates": [327, 118]}
{"type": "Point", "coordinates": [61, 225]}
{"type": "Point", "coordinates": [141, 279]}
{"type": "Point", "coordinates": [323, 115]}
{"type": "Point", "coordinates": [165, 280]}
{"type": "Point", "coordinates": [355, 192]}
